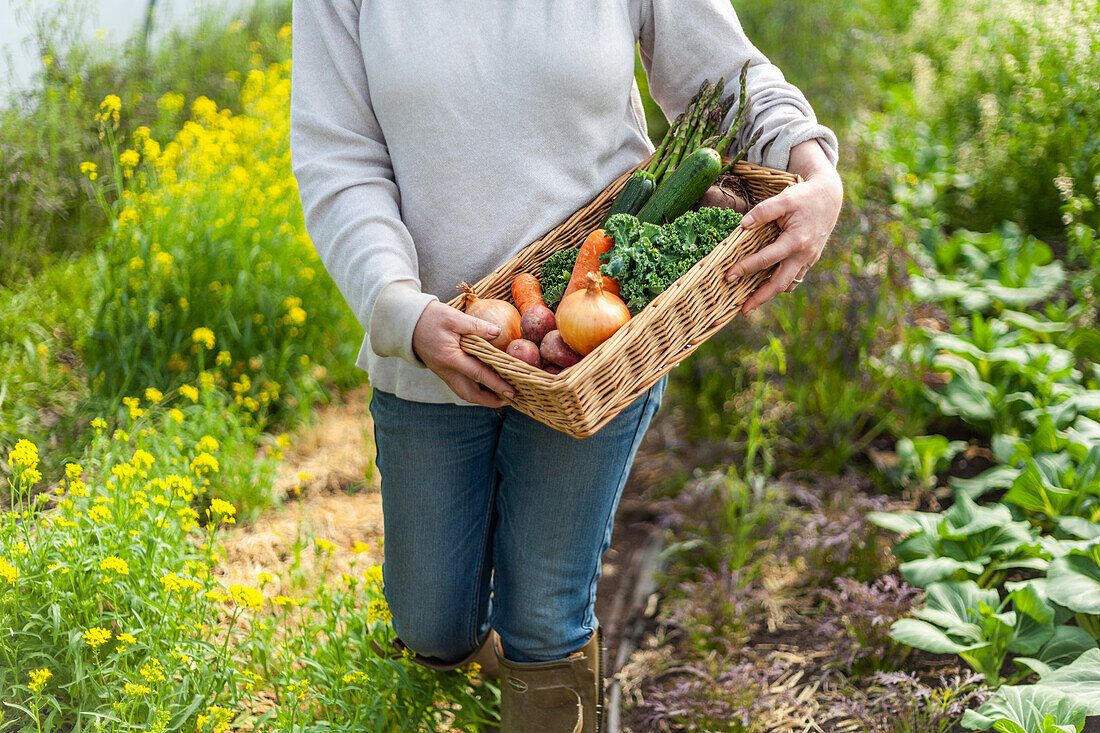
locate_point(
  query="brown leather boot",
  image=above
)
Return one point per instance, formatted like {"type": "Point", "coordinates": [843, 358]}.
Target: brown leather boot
{"type": "Point", "coordinates": [559, 696]}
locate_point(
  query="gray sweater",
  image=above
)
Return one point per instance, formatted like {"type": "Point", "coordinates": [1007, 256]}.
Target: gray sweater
{"type": "Point", "coordinates": [433, 139]}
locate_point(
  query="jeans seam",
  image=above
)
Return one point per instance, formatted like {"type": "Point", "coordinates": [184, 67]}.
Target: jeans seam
{"type": "Point", "coordinates": [611, 514]}
{"type": "Point", "coordinates": [481, 562]}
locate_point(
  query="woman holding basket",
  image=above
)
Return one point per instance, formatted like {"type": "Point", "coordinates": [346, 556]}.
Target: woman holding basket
{"type": "Point", "coordinates": [433, 140]}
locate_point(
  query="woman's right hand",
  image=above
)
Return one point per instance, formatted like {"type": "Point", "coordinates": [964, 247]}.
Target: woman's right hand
{"type": "Point", "coordinates": [435, 341]}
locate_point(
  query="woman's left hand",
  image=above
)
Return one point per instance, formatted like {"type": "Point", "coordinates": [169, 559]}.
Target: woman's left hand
{"type": "Point", "coordinates": [806, 213]}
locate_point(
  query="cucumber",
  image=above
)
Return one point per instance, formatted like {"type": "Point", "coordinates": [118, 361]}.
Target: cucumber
{"type": "Point", "coordinates": [633, 196]}
{"type": "Point", "coordinates": [683, 187]}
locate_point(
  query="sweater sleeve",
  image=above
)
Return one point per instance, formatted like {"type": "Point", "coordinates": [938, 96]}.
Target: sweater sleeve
{"type": "Point", "coordinates": [683, 42]}
{"type": "Point", "coordinates": [345, 179]}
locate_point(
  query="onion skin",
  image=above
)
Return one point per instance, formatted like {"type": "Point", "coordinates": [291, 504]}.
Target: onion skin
{"type": "Point", "coordinates": [587, 318]}
{"type": "Point", "coordinates": [500, 313]}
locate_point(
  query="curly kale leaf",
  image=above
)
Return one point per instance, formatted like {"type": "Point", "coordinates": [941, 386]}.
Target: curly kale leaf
{"type": "Point", "coordinates": [556, 272]}
{"type": "Point", "coordinates": [647, 258]}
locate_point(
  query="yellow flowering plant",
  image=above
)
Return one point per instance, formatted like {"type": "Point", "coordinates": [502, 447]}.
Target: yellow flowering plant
{"type": "Point", "coordinates": [208, 237]}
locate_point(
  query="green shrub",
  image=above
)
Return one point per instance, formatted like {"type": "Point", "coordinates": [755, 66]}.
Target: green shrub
{"type": "Point", "coordinates": [1003, 100]}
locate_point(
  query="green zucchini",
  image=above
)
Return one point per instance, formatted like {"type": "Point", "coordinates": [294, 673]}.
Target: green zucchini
{"type": "Point", "coordinates": [639, 187]}
{"type": "Point", "coordinates": [683, 187]}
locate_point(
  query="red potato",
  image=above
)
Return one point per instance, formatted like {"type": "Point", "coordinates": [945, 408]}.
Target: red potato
{"type": "Point", "coordinates": [556, 351]}
{"type": "Point", "coordinates": [537, 321]}
{"type": "Point", "coordinates": [724, 196]}
{"type": "Point", "coordinates": [526, 351]}
{"type": "Point", "coordinates": [553, 369]}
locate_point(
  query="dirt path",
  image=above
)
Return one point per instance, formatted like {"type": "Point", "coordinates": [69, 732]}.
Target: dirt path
{"type": "Point", "coordinates": [327, 489]}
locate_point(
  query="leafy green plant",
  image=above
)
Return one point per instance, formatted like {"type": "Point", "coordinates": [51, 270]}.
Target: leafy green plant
{"type": "Point", "coordinates": [1028, 709]}
{"type": "Point", "coordinates": [967, 541]}
{"type": "Point", "coordinates": [962, 618]}
{"type": "Point", "coordinates": [920, 458]}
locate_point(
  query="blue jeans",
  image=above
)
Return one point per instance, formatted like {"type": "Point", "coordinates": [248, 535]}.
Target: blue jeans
{"type": "Point", "coordinates": [492, 517]}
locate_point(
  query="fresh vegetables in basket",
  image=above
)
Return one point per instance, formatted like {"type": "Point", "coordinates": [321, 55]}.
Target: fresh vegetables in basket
{"type": "Point", "coordinates": [648, 240]}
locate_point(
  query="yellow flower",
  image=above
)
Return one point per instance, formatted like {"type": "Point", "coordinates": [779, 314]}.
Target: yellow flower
{"type": "Point", "coordinates": [373, 574]}
{"type": "Point", "coordinates": [247, 596]}
{"type": "Point", "coordinates": [38, 679]}
{"type": "Point", "coordinates": [128, 217]}
{"type": "Point", "coordinates": [129, 158]}
{"type": "Point", "coordinates": [142, 459]}
{"type": "Point", "coordinates": [326, 547]}
{"type": "Point", "coordinates": [176, 415]}
{"type": "Point", "coordinates": [99, 424]}
{"type": "Point", "coordinates": [127, 638]}
{"type": "Point", "coordinates": [132, 404]}
{"type": "Point", "coordinates": [31, 476]}
{"type": "Point", "coordinates": [134, 690]}
{"type": "Point", "coordinates": [24, 454]}
{"type": "Point", "coordinates": [109, 108]}
{"type": "Point", "coordinates": [99, 513]}
{"type": "Point", "coordinates": [96, 636]}
{"type": "Point", "coordinates": [284, 601]}
{"type": "Point", "coordinates": [379, 610]}
{"type": "Point", "coordinates": [360, 547]}
{"type": "Point", "coordinates": [171, 102]}
{"type": "Point", "coordinates": [204, 464]}
{"type": "Point", "coordinates": [153, 394]}
{"type": "Point", "coordinates": [151, 149]}
{"type": "Point", "coordinates": [117, 564]}
{"type": "Point", "coordinates": [296, 315]}
{"type": "Point", "coordinates": [203, 336]}
{"type": "Point", "coordinates": [203, 107]}
{"type": "Point", "coordinates": [7, 572]}
{"type": "Point", "coordinates": [73, 471]}
{"type": "Point", "coordinates": [355, 676]}
{"type": "Point", "coordinates": [190, 392]}
{"type": "Point", "coordinates": [221, 508]}
{"type": "Point", "coordinates": [472, 671]}
{"type": "Point", "coordinates": [264, 578]}
{"type": "Point", "coordinates": [90, 169]}
{"type": "Point", "coordinates": [207, 444]}
{"type": "Point", "coordinates": [152, 671]}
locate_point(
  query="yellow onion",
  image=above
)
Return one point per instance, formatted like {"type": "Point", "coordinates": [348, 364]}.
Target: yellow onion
{"type": "Point", "coordinates": [588, 317]}
{"type": "Point", "coordinates": [498, 312]}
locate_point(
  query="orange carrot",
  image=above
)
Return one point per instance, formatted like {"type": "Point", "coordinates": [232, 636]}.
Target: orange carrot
{"type": "Point", "coordinates": [588, 260]}
{"type": "Point", "coordinates": [526, 292]}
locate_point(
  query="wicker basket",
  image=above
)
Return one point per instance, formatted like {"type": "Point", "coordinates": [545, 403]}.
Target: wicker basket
{"type": "Point", "coordinates": [580, 400]}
